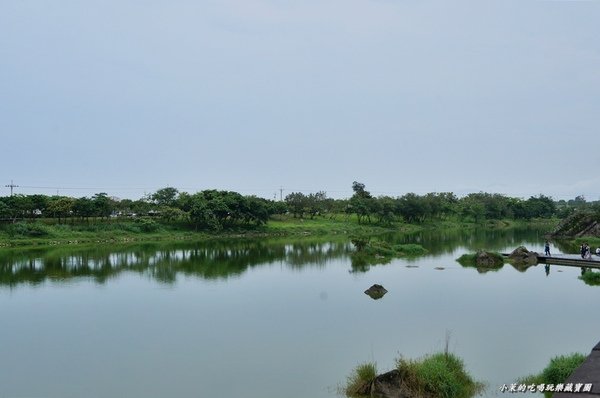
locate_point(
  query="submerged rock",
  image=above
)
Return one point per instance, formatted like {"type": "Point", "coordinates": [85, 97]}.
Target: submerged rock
{"type": "Point", "coordinates": [376, 291]}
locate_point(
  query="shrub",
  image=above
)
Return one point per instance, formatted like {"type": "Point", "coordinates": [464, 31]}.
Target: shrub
{"type": "Point", "coordinates": [147, 225]}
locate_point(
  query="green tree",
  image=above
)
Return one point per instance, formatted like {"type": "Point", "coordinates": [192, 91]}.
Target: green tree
{"type": "Point", "coordinates": [103, 205]}
{"type": "Point", "coordinates": [83, 208]}
{"type": "Point", "coordinates": [412, 207]}
{"type": "Point", "coordinates": [315, 203]}
{"type": "Point", "coordinates": [165, 196]}
{"type": "Point", "coordinates": [361, 203]}
{"type": "Point", "coordinates": [385, 209]}
{"type": "Point", "coordinates": [61, 207]}
{"type": "Point", "coordinates": [297, 203]}
{"type": "Point", "coordinates": [201, 213]}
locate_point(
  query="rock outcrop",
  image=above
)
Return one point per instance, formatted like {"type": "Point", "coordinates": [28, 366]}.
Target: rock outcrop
{"type": "Point", "coordinates": [521, 256]}
{"type": "Point", "coordinates": [580, 223]}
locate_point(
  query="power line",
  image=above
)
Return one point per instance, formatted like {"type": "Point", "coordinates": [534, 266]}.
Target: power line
{"type": "Point", "coordinates": [11, 185]}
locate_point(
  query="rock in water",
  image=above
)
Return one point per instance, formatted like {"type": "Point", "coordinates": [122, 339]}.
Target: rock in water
{"type": "Point", "coordinates": [376, 291]}
{"type": "Point", "coordinates": [388, 385]}
{"type": "Point", "coordinates": [522, 256]}
{"type": "Point", "coordinates": [489, 260]}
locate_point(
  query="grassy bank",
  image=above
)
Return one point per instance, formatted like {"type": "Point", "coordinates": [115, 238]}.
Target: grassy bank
{"type": "Point", "coordinates": [41, 233]}
{"type": "Point", "coordinates": [49, 233]}
{"type": "Point", "coordinates": [557, 371]}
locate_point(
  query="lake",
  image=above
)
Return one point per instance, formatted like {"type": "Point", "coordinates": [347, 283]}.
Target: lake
{"type": "Point", "coordinates": [276, 318]}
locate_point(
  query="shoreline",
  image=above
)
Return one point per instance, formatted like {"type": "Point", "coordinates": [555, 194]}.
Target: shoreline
{"type": "Point", "coordinates": [121, 232]}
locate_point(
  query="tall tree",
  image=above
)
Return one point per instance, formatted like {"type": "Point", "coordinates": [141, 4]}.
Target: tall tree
{"type": "Point", "coordinates": [165, 196]}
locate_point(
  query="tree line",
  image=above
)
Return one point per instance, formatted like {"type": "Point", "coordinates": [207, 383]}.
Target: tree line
{"type": "Point", "coordinates": [413, 208]}
{"type": "Point", "coordinates": [208, 209]}
{"type": "Point", "coordinates": [218, 209]}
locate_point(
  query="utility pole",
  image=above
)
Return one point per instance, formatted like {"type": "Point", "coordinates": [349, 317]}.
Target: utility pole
{"type": "Point", "coordinates": [11, 186]}
{"type": "Point", "coordinates": [280, 193]}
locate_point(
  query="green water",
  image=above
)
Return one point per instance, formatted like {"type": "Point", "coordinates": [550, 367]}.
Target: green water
{"type": "Point", "coordinates": [275, 318]}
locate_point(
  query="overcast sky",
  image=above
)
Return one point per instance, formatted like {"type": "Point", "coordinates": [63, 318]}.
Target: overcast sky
{"type": "Point", "coordinates": [126, 97]}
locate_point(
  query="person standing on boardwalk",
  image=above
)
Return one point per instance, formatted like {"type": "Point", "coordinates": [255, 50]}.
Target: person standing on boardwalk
{"type": "Point", "coordinates": [588, 252]}
{"type": "Point", "coordinates": [582, 249]}
{"type": "Point", "coordinates": [547, 248]}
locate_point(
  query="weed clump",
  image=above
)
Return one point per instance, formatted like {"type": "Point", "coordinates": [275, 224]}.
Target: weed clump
{"type": "Point", "coordinates": [439, 375]}
{"type": "Point", "coordinates": [557, 371]}
{"type": "Point", "coordinates": [359, 381]}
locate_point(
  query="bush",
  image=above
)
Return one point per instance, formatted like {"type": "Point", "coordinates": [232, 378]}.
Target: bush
{"type": "Point", "coordinates": [23, 229]}
{"type": "Point", "coordinates": [147, 225]}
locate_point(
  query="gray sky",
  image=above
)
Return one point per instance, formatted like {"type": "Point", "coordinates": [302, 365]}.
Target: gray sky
{"type": "Point", "coordinates": [126, 97]}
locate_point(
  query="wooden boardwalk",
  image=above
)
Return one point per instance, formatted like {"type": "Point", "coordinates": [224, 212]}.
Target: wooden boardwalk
{"type": "Point", "coordinates": [570, 260]}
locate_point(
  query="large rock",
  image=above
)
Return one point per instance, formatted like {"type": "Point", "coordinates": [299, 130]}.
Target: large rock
{"type": "Point", "coordinates": [388, 385]}
{"type": "Point", "coordinates": [522, 256]}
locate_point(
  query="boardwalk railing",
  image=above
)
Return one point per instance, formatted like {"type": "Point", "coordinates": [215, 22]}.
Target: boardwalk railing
{"type": "Point", "coordinates": [568, 260]}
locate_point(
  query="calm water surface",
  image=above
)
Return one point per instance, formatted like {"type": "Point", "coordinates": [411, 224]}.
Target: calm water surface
{"type": "Point", "coordinates": [262, 319]}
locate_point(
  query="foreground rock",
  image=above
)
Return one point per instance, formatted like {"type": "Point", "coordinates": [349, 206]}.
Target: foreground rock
{"type": "Point", "coordinates": [376, 291]}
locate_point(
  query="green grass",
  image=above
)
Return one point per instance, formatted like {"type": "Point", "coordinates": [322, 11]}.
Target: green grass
{"type": "Point", "coordinates": [440, 375]}
{"type": "Point", "coordinates": [47, 232]}
{"type": "Point", "coordinates": [341, 224]}
{"type": "Point", "coordinates": [384, 249]}
{"type": "Point", "coordinates": [470, 260]}
{"type": "Point", "coordinates": [374, 251]}
{"type": "Point", "coordinates": [361, 377]}
{"type": "Point", "coordinates": [591, 240]}
{"type": "Point", "coordinates": [557, 371]}
{"type": "Point", "coordinates": [591, 278]}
